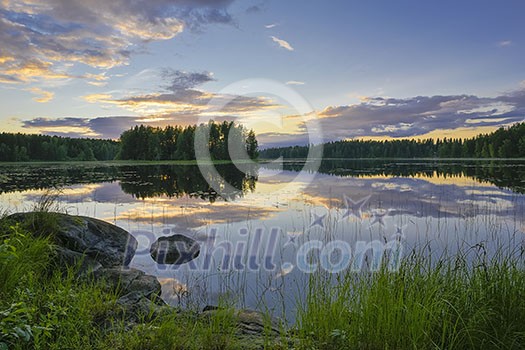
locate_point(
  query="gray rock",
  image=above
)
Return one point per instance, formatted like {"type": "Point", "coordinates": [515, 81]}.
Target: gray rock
{"type": "Point", "coordinates": [67, 257]}
{"type": "Point", "coordinates": [139, 294]}
{"type": "Point", "coordinates": [249, 322]}
{"type": "Point", "coordinates": [174, 250]}
{"type": "Point", "coordinates": [130, 281]}
{"type": "Point", "coordinates": [106, 243]}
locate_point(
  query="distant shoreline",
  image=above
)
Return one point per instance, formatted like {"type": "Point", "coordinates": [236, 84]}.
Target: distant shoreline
{"type": "Point", "coordinates": [261, 161]}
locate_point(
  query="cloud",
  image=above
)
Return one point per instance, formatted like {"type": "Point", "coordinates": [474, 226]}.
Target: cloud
{"type": "Point", "coordinates": [374, 117]}
{"type": "Point", "coordinates": [96, 79]}
{"type": "Point", "coordinates": [44, 96]}
{"type": "Point", "coordinates": [27, 70]}
{"type": "Point", "coordinates": [38, 37]}
{"type": "Point", "coordinates": [181, 96]}
{"type": "Point", "coordinates": [505, 43]}
{"type": "Point", "coordinates": [270, 26]}
{"type": "Point", "coordinates": [105, 127]}
{"type": "Point", "coordinates": [181, 80]}
{"type": "Point", "coordinates": [409, 117]}
{"type": "Point", "coordinates": [253, 9]}
{"type": "Point", "coordinates": [180, 103]}
{"type": "Point", "coordinates": [295, 82]}
{"type": "Point", "coordinates": [282, 43]}
{"type": "Point", "coordinates": [96, 98]}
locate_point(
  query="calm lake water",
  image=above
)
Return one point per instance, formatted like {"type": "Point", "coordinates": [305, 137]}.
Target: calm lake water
{"type": "Point", "coordinates": [252, 240]}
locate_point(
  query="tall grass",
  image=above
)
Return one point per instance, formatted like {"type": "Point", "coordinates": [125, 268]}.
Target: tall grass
{"type": "Point", "coordinates": [445, 304]}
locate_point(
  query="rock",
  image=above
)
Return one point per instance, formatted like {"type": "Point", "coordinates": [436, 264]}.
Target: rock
{"type": "Point", "coordinates": [67, 257]}
{"type": "Point", "coordinates": [130, 281]}
{"type": "Point", "coordinates": [254, 322]}
{"type": "Point", "coordinates": [139, 293]}
{"type": "Point", "coordinates": [106, 243]}
{"type": "Point", "coordinates": [249, 322]}
{"type": "Point", "coordinates": [175, 250]}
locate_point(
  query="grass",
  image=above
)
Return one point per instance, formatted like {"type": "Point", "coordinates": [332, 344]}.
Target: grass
{"type": "Point", "coordinates": [446, 304]}
{"type": "Point", "coordinates": [465, 301]}
{"type": "Point", "coordinates": [44, 307]}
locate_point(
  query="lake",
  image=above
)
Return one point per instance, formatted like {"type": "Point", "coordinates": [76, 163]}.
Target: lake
{"type": "Point", "coordinates": [263, 231]}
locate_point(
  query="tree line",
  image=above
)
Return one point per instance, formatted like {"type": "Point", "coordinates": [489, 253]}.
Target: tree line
{"type": "Point", "coordinates": [32, 147]}
{"type": "Point", "coordinates": [139, 143]}
{"type": "Point", "coordinates": [178, 143]}
{"type": "Point", "coordinates": [506, 142]}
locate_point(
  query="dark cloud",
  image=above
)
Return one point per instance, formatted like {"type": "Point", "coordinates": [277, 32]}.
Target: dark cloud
{"type": "Point", "coordinates": [105, 127]}
{"type": "Point", "coordinates": [180, 80]}
{"type": "Point", "coordinates": [63, 122]}
{"type": "Point", "coordinates": [253, 9]}
{"type": "Point", "coordinates": [419, 115]}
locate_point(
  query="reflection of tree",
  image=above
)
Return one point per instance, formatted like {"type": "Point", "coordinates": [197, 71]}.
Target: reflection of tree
{"type": "Point", "coordinates": [142, 181]}
{"type": "Point", "coordinates": [179, 180]}
{"type": "Point", "coordinates": [40, 177]}
{"type": "Point", "coordinates": [176, 180]}
{"type": "Point", "coordinates": [504, 174]}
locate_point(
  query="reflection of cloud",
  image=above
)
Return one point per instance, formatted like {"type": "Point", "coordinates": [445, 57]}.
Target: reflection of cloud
{"type": "Point", "coordinates": [187, 214]}
{"type": "Point", "coordinates": [484, 202]}
{"type": "Point", "coordinates": [107, 192]}
{"type": "Point", "coordinates": [286, 269]}
{"type": "Point", "coordinates": [391, 186]}
{"type": "Point", "coordinates": [173, 291]}
{"type": "Point", "coordinates": [427, 198]}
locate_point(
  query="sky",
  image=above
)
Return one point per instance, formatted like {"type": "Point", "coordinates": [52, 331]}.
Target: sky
{"type": "Point", "coordinates": [294, 71]}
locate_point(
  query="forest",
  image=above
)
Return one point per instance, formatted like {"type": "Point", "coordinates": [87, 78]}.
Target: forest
{"type": "Point", "coordinates": [506, 142]}
{"type": "Point", "coordinates": [33, 147]}
{"type": "Point", "coordinates": [138, 143]}
{"type": "Point", "coordinates": [178, 143]}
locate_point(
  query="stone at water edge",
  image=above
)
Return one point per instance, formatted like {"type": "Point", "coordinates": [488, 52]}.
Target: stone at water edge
{"type": "Point", "coordinates": [250, 322]}
{"type": "Point", "coordinates": [174, 250]}
{"type": "Point", "coordinates": [107, 244]}
{"type": "Point", "coordinates": [129, 280]}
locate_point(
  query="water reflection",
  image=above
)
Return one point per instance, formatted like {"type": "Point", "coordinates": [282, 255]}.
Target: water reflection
{"type": "Point", "coordinates": [443, 206]}
{"type": "Point", "coordinates": [176, 181]}
{"type": "Point", "coordinates": [508, 174]}
{"type": "Point", "coordinates": [142, 181]}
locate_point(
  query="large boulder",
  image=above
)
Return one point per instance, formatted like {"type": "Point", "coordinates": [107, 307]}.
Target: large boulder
{"type": "Point", "coordinates": [101, 241]}
{"type": "Point", "coordinates": [174, 250]}
{"type": "Point", "coordinates": [67, 257]}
